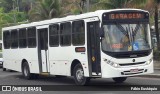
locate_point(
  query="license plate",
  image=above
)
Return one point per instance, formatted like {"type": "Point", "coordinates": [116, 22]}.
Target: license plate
{"type": "Point", "coordinates": [134, 70]}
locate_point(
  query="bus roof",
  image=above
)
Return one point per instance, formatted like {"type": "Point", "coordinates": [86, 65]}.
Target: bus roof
{"type": "Point", "coordinates": [97, 13]}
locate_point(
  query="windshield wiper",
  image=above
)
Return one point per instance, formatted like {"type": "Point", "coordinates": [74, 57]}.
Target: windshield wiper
{"type": "Point", "coordinates": [122, 30]}
{"type": "Point", "coordinates": [136, 29]}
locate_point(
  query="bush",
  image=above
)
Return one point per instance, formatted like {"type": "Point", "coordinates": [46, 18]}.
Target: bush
{"type": "Point", "coordinates": [156, 55]}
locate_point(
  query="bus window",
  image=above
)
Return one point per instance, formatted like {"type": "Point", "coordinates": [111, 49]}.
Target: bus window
{"type": "Point", "coordinates": [22, 38]}
{"type": "Point", "coordinates": [6, 39]}
{"type": "Point", "coordinates": [78, 33]}
{"type": "Point", "coordinates": [65, 34]}
{"type": "Point", "coordinates": [14, 39]}
{"type": "Point", "coordinates": [31, 33]}
{"type": "Point", "coordinates": [54, 35]}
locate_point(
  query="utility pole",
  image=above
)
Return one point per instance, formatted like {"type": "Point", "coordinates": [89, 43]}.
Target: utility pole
{"type": "Point", "coordinates": [88, 5]}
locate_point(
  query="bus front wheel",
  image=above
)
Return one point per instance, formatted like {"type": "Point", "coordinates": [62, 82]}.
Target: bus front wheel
{"type": "Point", "coordinates": [79, 75]}
{"type": "Point", "coordinates": [119, 79]}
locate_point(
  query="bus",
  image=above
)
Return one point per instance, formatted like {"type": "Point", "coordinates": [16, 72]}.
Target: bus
{"type": "Point", "coordinates": [102, 44]}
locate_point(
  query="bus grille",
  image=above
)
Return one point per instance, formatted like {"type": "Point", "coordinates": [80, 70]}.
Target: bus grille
{"type": "Point", "coordinates": [128, 64]}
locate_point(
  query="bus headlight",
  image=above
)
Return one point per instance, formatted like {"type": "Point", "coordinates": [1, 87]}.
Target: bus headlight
{"type": "Point", "coordinates": [149, 61]}
{"type": "Point", "coordinates": [116, 65]}
{"type": "Point", "coordinates": [112, 63]}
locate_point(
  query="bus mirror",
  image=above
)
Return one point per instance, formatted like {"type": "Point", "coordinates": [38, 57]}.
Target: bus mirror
{"type": "Point", "coordinates": [101, 32]}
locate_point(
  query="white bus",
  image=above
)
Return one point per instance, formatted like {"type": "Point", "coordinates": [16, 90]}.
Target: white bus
{"type": "Point", "coordinates": [102, 44]}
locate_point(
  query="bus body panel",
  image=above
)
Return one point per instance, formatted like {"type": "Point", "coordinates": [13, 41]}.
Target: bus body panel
{"type": "Point", "coordinates": [60, 63]}
{"type": "Point", "coordinates": [13, 59]}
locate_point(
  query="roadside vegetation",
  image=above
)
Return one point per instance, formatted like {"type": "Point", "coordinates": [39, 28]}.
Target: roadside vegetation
{"type": "Point", "coordinates": [13, 12]}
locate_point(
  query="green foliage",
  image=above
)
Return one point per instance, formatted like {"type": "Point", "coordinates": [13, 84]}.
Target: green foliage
{"type": "Point", "coordinates": [45, 9]}
{"type": "Point", "coordinates": [9, 13]}
{"type": "Point", "coordinates": [11, 18]}
{"type": "Point", "coordinates": [156, 55]}
{"type": "Point", "coordinates": [113, 4]}
{"type": "Point", "coordinates": [7, 5]}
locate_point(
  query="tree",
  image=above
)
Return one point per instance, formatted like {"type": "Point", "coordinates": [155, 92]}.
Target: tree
{"type": "Point", "coordinates": [156, 23]}
{"type": "Point", "coordinates": [113, 4]}
{"type": "Point", "coordinates": [45, 9]}
{"type": "Point", "coordinates": [25, 5]}
{"type": "Point", "coordinates": [73, 6]}
{"type": "Point", "coordinates": [7, 5]}
{"type": "Point", "coordinates": [8, 19]}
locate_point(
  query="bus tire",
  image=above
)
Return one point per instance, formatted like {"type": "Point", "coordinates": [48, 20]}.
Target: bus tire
{"type": "Point", "coordinates": [35, 76]}
{"type": "Point", "coordinates": [26, 71]}
{"type": "Point", "coordinates": [60, 76]}
{"type": "Point", "coordinates": [119, 79]}
{"type": "Point", "coordinates": [4, 69]}
{"type": "Point", "coordinates": [11, 71]}
{"type": "Point", "coordinates": [78, 74]}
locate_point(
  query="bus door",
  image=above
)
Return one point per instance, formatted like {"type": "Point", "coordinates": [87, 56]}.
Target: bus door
{"type": "Point", "coordinates": [43, 49]}
{"type": "Point", "coordinates": [93, 43]}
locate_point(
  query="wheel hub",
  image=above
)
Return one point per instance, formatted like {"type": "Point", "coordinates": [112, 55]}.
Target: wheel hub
{"type": "Point", "coordinates": [80, 75]}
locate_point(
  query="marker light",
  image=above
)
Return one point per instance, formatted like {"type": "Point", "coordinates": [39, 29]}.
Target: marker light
{"type": "Point", "coordinates": [149, 61]}
{"type": "Point", "coordinates": [113, 64]}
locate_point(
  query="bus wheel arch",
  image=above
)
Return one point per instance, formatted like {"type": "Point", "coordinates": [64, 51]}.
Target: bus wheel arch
{"type": "Point", "coordinates": [74, 63]}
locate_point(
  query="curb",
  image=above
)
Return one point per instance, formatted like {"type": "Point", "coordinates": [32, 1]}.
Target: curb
{"type": "Point", "coordinates": [150, 76]}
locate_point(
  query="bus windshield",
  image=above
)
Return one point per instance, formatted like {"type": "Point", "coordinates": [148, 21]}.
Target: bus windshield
{"type": "Point", "coordinates": [125, 37]}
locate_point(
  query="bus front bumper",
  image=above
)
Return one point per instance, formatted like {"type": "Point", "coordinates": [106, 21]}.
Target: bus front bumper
{"type": "Point", "coordinates": [112, 72]}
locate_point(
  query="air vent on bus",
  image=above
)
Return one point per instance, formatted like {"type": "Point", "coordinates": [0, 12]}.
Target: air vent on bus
{"type": "Point", "coordinates": [128, 64]}
{"type": "Point", "coordinates": [129, 55]}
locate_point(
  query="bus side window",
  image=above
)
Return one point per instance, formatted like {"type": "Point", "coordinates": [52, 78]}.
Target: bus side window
{"type": "Point", "coordinates": [31, 37]}
{"type": "Point", "coordinates": [6, 39]}
{"type": "Point", "coordinates": [14, 39]}
{"type": "Point", "coordinates": [22, 38]}
{"type": "Point", "coordinates": [65, 34]}
{"type": "Point", "coordinates": [54, 35]}
{"type": "Point", "coordinates": [78, 33]}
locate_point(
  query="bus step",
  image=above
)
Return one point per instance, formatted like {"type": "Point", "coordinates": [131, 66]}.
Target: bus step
{"type": "Point", "coordinates": [96, 76]}
{"type": "Point", "coordinates": [45, 73]}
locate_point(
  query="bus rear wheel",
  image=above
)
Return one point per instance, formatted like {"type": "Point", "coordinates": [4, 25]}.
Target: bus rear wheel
{"type": "Point", "coordinates": [4, 69]}
{"type": "Point", "coordinates": [119, 79]}
{"type": "Point", "coordinates": [78, 74]}
{"type": "Point", "coordinates": [26, 71]}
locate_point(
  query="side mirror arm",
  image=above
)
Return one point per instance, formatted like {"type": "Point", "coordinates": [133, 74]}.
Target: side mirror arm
{"type": "Point", "coordinates": [101, 32]}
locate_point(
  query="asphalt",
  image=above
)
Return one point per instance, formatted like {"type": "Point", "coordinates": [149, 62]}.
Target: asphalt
{"type": "Point", "coordinates": [156, 73]}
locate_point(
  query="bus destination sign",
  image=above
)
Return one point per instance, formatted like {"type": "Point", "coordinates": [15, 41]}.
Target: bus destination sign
{"type": "Point", "coordinates": [126, 16]}
{"type": "Point", "coordinates": [123, 17]}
